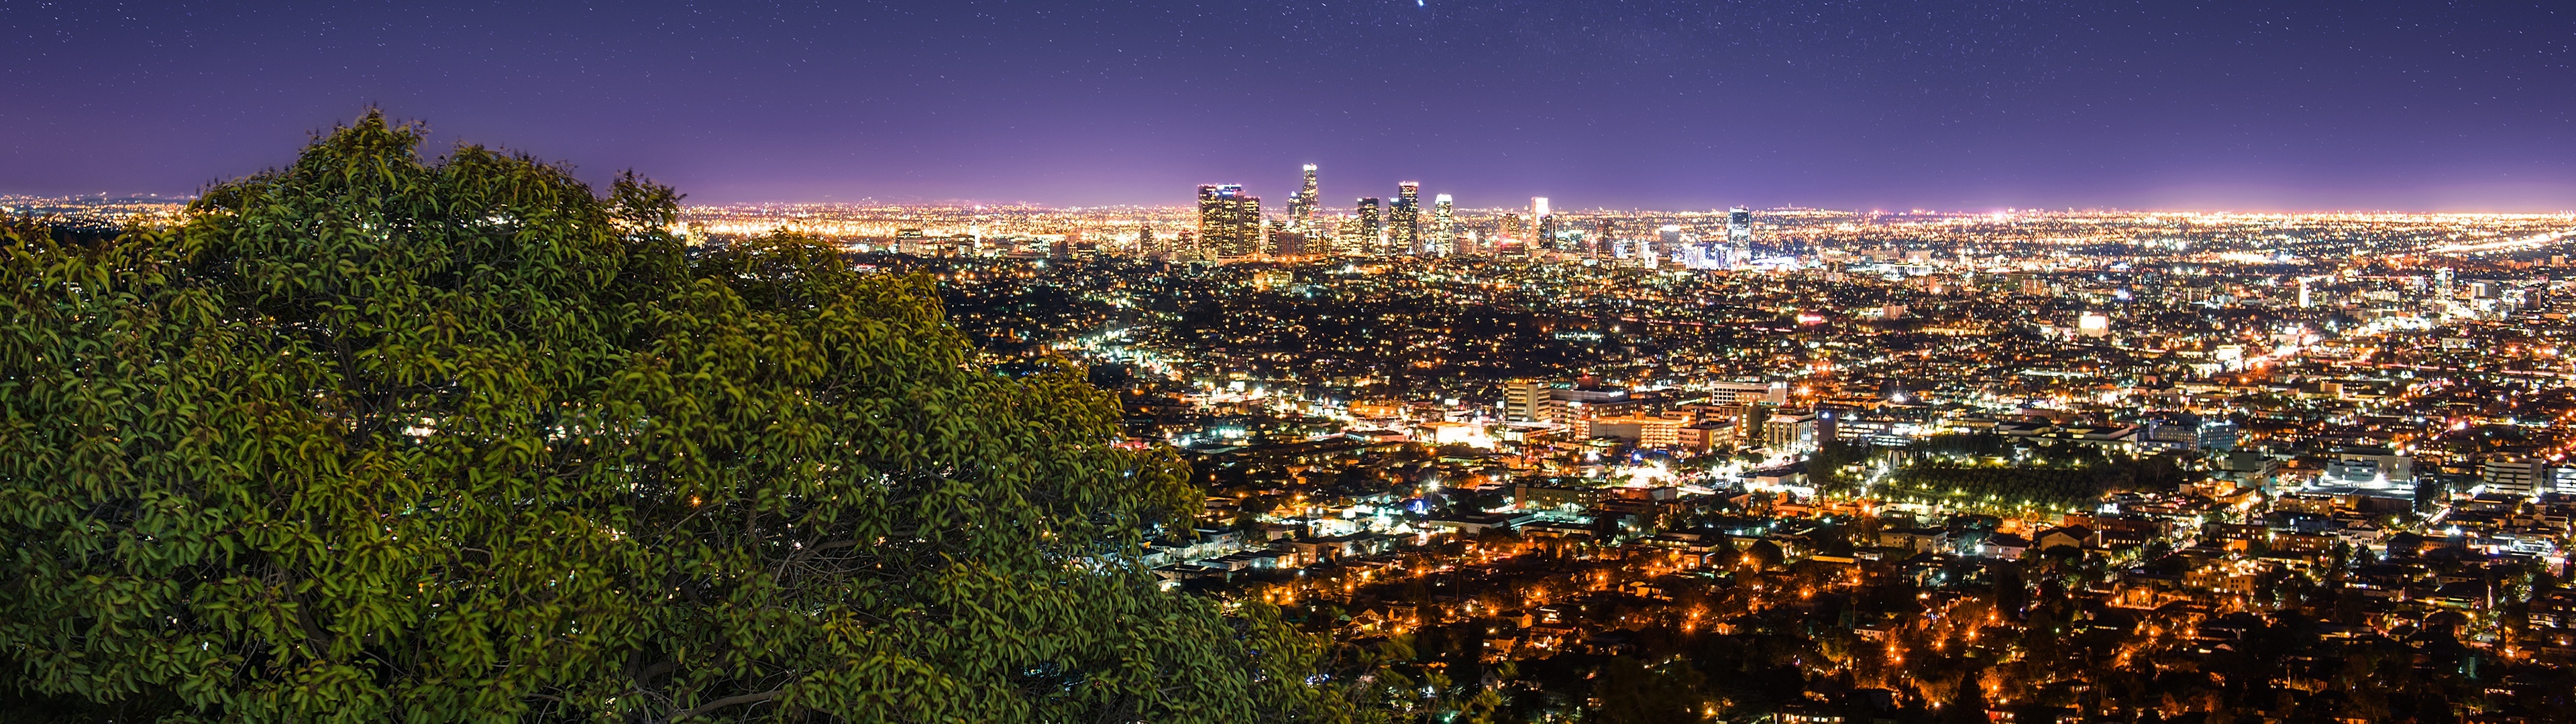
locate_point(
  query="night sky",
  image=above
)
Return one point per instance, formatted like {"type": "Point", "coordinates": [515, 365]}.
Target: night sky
{"type": "Point", "coordinates": [2341, 104]}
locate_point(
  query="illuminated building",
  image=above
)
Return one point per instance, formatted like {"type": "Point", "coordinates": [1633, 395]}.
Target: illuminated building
{"type": "Point", "coordinates": [1367, 235]}
{"type": "Point", "coordinates": [1525, 400]}
{"type": "Point", "coordinates": [1792, 432]}
{"type": "Point", "coordinates": [1444, 227]}
{"type": "Point", "coordinates": [1739, 224]}
{"type": "Point", "coordinates": [1229, 221]}
{"type": "Point", "coordinates": [1747, 393]}
{"type": "Point", "coordinates": [2516, 475]}
{"type": "Point", "coordinates": [1301, 208]}
{"type": "Point", "coordinates": [2093, 324]}
{"type": "Point", "coordinates": [1404, 221]}
{"type": "Point", "coordinates": [1542, 225]}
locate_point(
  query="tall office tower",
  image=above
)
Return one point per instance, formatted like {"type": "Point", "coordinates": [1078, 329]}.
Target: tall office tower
{"type": "Point", "coordinates": [1229, 221]}
{"type": "Point", "coordinates": [1366, 236]}
{"type": "Point", "coordinates": [1444, 227]}
{"type": "Point", "coordinates": [1739, 224]}
{"type": "Point", "coordinates": [1507, 229]}
{"type": "Point", "coordinates": [1145, 241]}
{"type": "Point", "coordinates": [1542, 226]}
{"type": "Point", "coordinates": [1404, 222]}
{"type": "Point", "coordinates": [1301, 208]}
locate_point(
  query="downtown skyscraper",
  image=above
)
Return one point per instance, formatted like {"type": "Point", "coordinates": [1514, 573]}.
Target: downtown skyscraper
{"type": "Point", "coordinates": [1404, 221]}
{"type": "Point", "coordinates": [1542, 227]}
{"type": "Point", "coordinates": [1368, 236]}
{"type": "Point", "coordinates": [1444, 227]}
{"type": "Point", "coordinates": [1229, 221]}
{"type": "Point", "coordinates": [1301, 207]}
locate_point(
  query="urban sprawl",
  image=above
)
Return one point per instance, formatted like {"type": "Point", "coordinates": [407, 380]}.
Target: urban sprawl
{"type": "Point", "coordinates": [1807, 465]}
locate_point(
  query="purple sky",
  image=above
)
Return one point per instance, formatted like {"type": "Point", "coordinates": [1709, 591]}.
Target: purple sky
{"type": "Point", "coordinates": [2341, 104]}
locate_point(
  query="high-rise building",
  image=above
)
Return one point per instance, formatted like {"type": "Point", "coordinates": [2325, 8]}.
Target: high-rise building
{"type": "Point", "coordinates": [1542, 226]}
{"type": "Point", "coordinates": [1444, 227]}
{"type": "Point", "coordinates": [1404, 222]}
{"type": "Point", "coordinates": [1739, 224]}
{"type": "Point", "coordinates": [1301, 208]}
{"type": "Point", "coordinates": [1229, 221]}
{"type": "Point", "coordinates": [1367, 236]}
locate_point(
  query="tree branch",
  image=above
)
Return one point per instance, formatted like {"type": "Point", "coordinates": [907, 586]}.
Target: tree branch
{"type": "Point", "coordinates": [646, 675]}
{"type": "Point", "coordinates": [809, 551]}
{"type": "Point", "coordinates": [725, 702]}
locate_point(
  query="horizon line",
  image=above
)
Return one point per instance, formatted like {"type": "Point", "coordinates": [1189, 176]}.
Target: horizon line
{"type": "Point", "coordinates": [968, 203]}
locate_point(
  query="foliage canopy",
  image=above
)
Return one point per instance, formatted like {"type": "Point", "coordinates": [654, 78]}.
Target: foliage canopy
{"type": "Point", "coordinates": [374, 437]}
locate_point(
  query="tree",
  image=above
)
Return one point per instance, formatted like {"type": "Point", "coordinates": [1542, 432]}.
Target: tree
{"type": "Point", "coordinates": [1967, 703]}
{"type": "Point", "coordinates": [1764, 555]}
{"type": "Point", "coordinates": [1825, 466]}
{"type": "Point", "coordinates": [374, 437]}
{"type": "Point", "coordinates": [1633, 693]}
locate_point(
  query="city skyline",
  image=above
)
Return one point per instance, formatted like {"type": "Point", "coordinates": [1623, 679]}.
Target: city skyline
{"type": "Point", "coordinates": [1306, 202]}
{"type": "Point", "coordinates": [1314, 203]}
